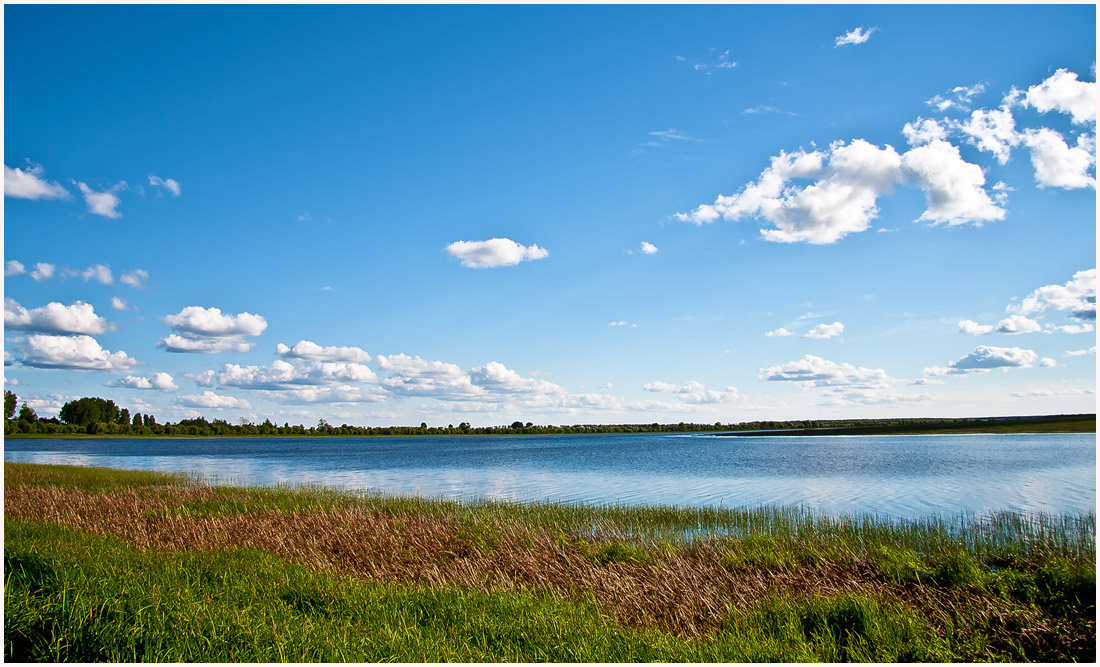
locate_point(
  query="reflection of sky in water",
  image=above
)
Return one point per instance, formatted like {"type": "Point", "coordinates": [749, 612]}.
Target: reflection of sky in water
{"type": "Point", "coordinates": [897, 477]}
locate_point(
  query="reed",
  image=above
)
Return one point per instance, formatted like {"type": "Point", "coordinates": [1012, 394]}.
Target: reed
{"type": "Point", "coordinates": [640, 583]}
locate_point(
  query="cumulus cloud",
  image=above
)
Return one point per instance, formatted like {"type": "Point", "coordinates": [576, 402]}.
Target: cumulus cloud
{"type": "Point", "coordinates": [14, 268]}
{"type": "Point", "coordinates": [1078, 296]}
{"type": "Point", "coordinates": [817, 372]}
{"type": "Point", "coordinates": [159, 382]}
{"type": "Point", "coordinates": [119, 304]}
{"type": "Point", "coordinates": [1018, 324]}
{"type": "Point", "coordinates": [284, 375]}
{"type": "Point", "coordinates": [199, 345]}
{"type": "Point", "coordinates": [923, 131]}
{"type": "Point", "coordinates": [953, 187]}
{"type": "Point", "coordinates": [171, 185]}
{"type": "Point", "coordinates": [208, 330]}
{"type": "Point", "coordinates": [848, 180]}
{"type": "Point", "coordinates": [780, 332]}
{"type": "Point", "coordinates": [855, 36]}
{"type": "Point", "coordinates": [54, 318]}
{"type": "Point", "coordinates": [1063, 92]}
{"type": "Point", "coordinates": [101, 273]}
{"type": "Point", "coordinates": [1071, 328]}
{"type": "Point", "coordinates": [104, 203]}
{"type": "Point", "coordinates": [209, 399]}
{"type": "Point", "coordinates": [42, 271]}
{"type": "Point", "coordinates": [310, 351]}
{"type": "Point", "coordinates": [497, 378]}
{"type": "Point", "coordinates": [1056, 163]}
{"type": "Point", "coordinates": [993, 131]}
{"type": "Point", "coordinates": [29, 184]}
{"type": "Point", "coordinates": [203, 379]}
{"type": "Point", "coordinates": [413, 376]}
{"type": "Point", "coordinates": [494, 252]}
{"type": "Point", "coordinates": [336, 394]}
{"type": "Point", "coordinates": [694, 392]}
{"type": "Point", "coordinates": [648, 248]}
{"type": "Point", "coordinates": [986, 358]}
{"type": "Point", "coordinates": [822, 331]}
{"type": "Point", "coordinates": [1081, 353]}
{"type": "Point", "coordinates": [72, 353]}
{"type": "Point", "coordinates": [135, 278]}
{"type": "Point", "coordinates": [974, 329]}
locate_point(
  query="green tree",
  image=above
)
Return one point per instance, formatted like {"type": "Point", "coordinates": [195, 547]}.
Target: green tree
{"type": "Point", "coordinates": [10, 401]}
{"type": "Point", "coordinates": [84, 411]}
{"type": "Point", "coordinates": [137, 419]}
{"type": "Point", "coordinates": [27, 414]}
{"type": "Point", "coordinates": [124, 416]}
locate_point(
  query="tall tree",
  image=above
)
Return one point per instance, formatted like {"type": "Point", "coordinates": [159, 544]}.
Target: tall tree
{"type": "Point", "coordinates": [84, 411]}
{"type": "Point", "coordinates": [10, 401]}
{"type": "Point", "coordinates": [27, 414]}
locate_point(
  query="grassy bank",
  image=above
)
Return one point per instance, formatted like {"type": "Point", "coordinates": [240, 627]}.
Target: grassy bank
{"type": "Point", "coordinates": [134, 566]}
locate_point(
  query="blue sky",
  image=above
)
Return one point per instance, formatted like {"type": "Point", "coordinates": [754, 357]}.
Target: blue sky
{"type": "Point", "coordinates": [559, 214]}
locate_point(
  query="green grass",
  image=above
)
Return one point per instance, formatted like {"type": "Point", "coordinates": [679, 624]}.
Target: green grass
{"type": "Point", "coordinates": [74, 597]}
{"type": "Point", "coordinates": [1005, 588]}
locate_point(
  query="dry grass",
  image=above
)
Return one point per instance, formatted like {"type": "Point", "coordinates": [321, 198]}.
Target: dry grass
{"type": "Point", "coordinates": [687, 589]}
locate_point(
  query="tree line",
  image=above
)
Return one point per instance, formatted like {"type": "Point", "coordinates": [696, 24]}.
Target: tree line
{"type": "Point", "coordinates": [100, 416]}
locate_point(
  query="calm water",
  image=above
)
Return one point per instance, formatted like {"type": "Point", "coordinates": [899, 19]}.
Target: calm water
{"type": "Point", "coordinates": [900, 476]}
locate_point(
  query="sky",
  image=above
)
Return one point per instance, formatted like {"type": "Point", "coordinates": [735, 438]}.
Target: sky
{"type": "Point", "coordinates": [388, 215]}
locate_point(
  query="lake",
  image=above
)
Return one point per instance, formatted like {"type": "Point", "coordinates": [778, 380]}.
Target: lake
{"type": "Point", "coordinates": [896, 476]}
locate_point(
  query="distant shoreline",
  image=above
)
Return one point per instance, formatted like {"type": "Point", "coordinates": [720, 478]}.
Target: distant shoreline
{"type": "Point", "coordinates": [1078, 423]}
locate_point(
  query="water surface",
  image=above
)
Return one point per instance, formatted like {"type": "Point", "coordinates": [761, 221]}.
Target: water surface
{"type": "Point", "coordinates": [898, 476]}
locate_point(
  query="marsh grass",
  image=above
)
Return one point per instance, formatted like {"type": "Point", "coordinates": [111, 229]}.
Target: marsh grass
{"type": "Point", "coordinates": [108, 565]}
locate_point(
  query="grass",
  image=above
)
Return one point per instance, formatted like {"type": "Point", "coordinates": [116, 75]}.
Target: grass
{"type": "Point", "coordinates": [140, 567]}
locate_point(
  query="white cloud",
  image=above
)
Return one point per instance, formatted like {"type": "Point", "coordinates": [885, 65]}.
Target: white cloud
{"type": "Point", "coordinates": [209, 399]}
{"type": "Point", "coordinates": [73, 353]}
{"type": "Point", "coordinates": [14, 268]}
{"type": "Point", "coordinates": [101, 273]}
{"type": "Point", "coordinates": [985, 358]}
{"type": "Point", "coordinates": [855, 36]}
{"type": "Point", "coordinates": [1071, 328]}
{"type": "Point", "coordinates": [104, 203]}
{"type": "Point", "coordinates": [1078, 295]}
{"type": "Point", "coordinates": [620, 323]}
{"type": "Point", "coordinates": [818, 372]}
{"type": "Point", "coordinates": [671, 134]}
{"type": "Point", "coordinates": [29, 184]}
{"type": "Point", "coordinates": [767, 108]}
{"type": "Point", "coordinates": [159, 381]}
{"type": "Point", "coordinates": [1018, 324]}
{"type": "Point", "coordinates": [211, 322]}
{"type": "Point", "coordinates": [694, 392]}
{"type": "Point", "coordinates": [954, 187]}
{"type": "Point", "coordinates": [285, 375]}
{"type": "Point", "coordinates": [203, 379]}
{"type": "Point", "coordinates": [199, 345]}
{"type": "Point", "coordinates": [54, 318]}
{"type": "Point", "coordinates": [135, 278]}
{"type": "Point", "coordinates": [780, 332]}
{"type": "Point", "coordinates": [1063, 92]}
{"type": "Point", "coordinates": [1047, 362]}
{"type": "Point", "coordinates": [962, 98]}
{"type": "Point", "coordinates": [1081, 353]}
{"type": "Point", "coordinates": [169, 184]}
{"type": "Point", "coordinates": [1057, 164]}
{"type": "Point", "coordinates": [42, 271]}
{"type": "Point", "coordinates": [841, 201]}
{"type": "Point", "coordinates": [991, 130]}
{"type": "Point", "coordinates": [648, 248]}
{"type": "Point", "coordinates": [119, 304]}
{"type": "Point", "coordinates": [311, 351]}
{"type": "Point", "coordinates": [822, 331]}
{"type": "Point", "coordinates": [497, 378]}
{"type": "Point", "coordinates": [1041, 393]}
{"type": "Point", "coordinates": [337, 394]}
{"type": "Point", "coordinates": [923, 131]}
{"type": "Point", "coordinates": [494, 252]}
{"type": "Point", "coordinates": [974, 329]}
